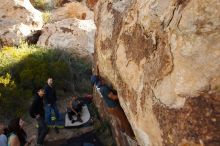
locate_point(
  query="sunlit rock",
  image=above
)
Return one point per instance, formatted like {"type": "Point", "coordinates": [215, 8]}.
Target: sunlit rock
{"type": "Point", "coordinates": [72, 10]}
{"type": "Point", "coordinates": [18, 18]}
{"type": "Point", "coordinates": [163, 58]}
{"type": "Point", "coordinates": [72, 35]}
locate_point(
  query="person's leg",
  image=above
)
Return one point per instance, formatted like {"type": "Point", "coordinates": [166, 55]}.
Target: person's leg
{"type": "Point", "coordinates": [57, 113]}
{"type": "Point", "coordinates": [80, 107]}
{"type": "Point", "coordinates": [70, 115]}
{"type": "Point", "coordinates": [42, 130]}
{"type": "Point", "coordinates": [48, 114]}
{"type": "Point", "coordinates": [78, 110]}
{"type": "Point", "coordinates": [79, 118]}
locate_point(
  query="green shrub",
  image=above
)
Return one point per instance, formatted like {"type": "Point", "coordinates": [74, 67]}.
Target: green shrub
{"type": "Point", "coordinates": [11, 97]}
{"type": "Point", "coordinates": [25, 67]}
{"type": "Point", "coordinates": [39, 4]}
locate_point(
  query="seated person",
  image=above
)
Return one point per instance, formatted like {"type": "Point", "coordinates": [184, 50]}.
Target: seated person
{"type": "Point", "coordinates": [74, 108]}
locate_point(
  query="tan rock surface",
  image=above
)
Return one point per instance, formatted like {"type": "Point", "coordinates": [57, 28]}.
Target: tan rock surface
{"type": "Point", "coordinates": [72, 10]}
{"type": "Point", "coordinates": [91, 3]}
{"type": "Point", "coordinates": [163, 57]}
{"type": "Point", "coordinates": [18, 18]}
{"type": "Point", "coordinates": [72, 35]}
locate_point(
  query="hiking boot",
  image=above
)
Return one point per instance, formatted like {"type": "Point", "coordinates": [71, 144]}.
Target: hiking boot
{"type": "Point", "coordinates": [79, 119]}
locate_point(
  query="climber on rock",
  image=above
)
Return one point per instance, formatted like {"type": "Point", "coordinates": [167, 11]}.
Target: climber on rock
{"type": "Point", "coordinates": [74, 108]}
{"type": "Point", "coordinates": [109, 95]}
{"type": "Point", "coordinates": [110, 98]}
{"type": "Point", "coordinates": [50, 102]}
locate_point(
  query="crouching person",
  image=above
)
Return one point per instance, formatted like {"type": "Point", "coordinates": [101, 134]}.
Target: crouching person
{"type": "Point", "coordinates": [37, 112]}
{"type": "Point", "coordinates": [74, 108]}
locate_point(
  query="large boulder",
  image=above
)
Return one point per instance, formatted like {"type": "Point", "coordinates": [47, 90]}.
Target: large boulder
{"type": "Point", "coordinates": [18, 19]}
{"type": "Point", "coordinates": [71, 35]}
{"type": "Point", "coordinates": [163, 57]}
{"type": "Point", "coordinates": [72, 10]}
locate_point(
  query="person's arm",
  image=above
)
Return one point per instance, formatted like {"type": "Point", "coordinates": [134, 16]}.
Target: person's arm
{"type": "Point", "coordinates": [74, 111]}
{"type": "Point", "coordinates": [71, 107]}
{"type": "Point", "coordinates": [112, 96]}
{"type": "Point", "coordinates": [14, 141]}
{"type": "Point", "coordinates": [28, 143]}
{"type": "Point", "coordinates": [33, 109]}
{"type": "Point", "coordinates": [70, 104]}
{"type": "Point", "coordinates": [46, 95]}
{"type": "Point", "coordinates": [55, 94]}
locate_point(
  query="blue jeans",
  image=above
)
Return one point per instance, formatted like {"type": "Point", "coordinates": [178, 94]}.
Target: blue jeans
{"type": "Point", "coordinates": [48, 113]}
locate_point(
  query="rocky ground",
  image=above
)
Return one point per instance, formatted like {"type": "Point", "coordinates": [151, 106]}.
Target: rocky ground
{"type": "Point", "coordinates": [55, 139]}
{"type": "Point", "coordinates": [64, 134]}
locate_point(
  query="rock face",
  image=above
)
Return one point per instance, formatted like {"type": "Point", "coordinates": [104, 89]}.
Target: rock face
{"type": "Point", "coordinates": [91, 3]}
{"type": "Point", "coordinates": [72, 10]}
{"type": "Point", "coordinates": [163, 57]}
{"type": "Point", "coordinates": [72, 35]}
{"type": "Point", "coordinates": [18, 18]}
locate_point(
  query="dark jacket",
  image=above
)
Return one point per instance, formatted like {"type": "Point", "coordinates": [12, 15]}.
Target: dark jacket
{"type": "Point", "coordinates": [37, 107]}
{"type": "Point", "coordinates": [50, 95]}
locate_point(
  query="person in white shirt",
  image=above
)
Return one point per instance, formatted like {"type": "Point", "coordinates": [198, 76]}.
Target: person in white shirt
{"type": "Point", "coordinates": [3, 138]}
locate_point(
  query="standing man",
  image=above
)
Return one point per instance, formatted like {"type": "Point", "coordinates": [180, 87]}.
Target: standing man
{"type": "Point", "coordinates": [50, 102]}
{"type": "Point", "coordinates": [37, 112]}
